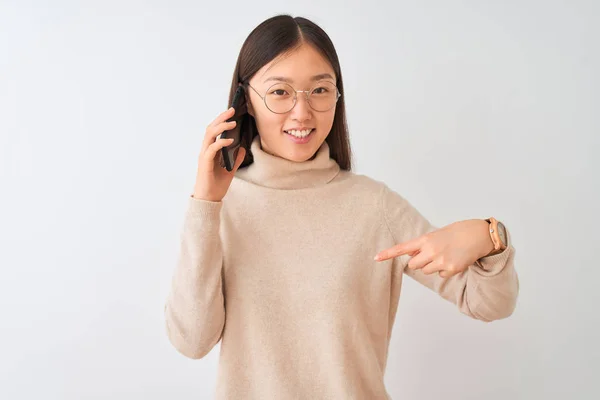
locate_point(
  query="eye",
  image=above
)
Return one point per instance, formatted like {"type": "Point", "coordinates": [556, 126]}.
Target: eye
{"type": "Point", "coordinates": [279, 92]}
{"type": "Point", "coordinates": [320, 90]}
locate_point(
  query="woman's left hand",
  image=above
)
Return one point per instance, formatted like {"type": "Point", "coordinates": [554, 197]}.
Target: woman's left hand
{"type": "Point", "coordinates": [449, 250]}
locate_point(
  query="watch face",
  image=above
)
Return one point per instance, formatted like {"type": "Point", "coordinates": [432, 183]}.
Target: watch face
{"type": "Point", "coordinates": [502, 233]}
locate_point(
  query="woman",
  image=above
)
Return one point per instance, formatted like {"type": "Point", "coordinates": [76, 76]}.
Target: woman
{"type": "Point", "coordinates": [277, 256]}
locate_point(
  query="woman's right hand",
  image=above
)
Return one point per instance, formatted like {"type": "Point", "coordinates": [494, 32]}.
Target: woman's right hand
{"type": "Point", "coordinates": [212, 180]}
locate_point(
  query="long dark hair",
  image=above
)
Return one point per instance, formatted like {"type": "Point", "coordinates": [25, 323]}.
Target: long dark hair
{"type": "Point", "coordinates": [279, 35]}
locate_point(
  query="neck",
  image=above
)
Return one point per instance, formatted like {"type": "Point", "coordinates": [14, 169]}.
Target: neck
{"type": "Point", "coordinates": [279, 173]}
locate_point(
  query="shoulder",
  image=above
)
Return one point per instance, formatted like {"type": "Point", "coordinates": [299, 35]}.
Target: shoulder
{"type": "Point", "coordinates": [367, 185]}
{"type": "Point", "coordinates": [359, 182]}
{"type": "Point", "coordinates": [378, 195]}
{"type": "Point", "coordinates": [371, 189]}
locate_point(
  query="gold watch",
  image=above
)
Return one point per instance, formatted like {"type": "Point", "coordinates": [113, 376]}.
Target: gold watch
{"type": "Point", "coordinates": [498, 235]}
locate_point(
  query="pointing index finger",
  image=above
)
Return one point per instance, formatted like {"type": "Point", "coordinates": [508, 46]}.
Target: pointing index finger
{"type": "Point", "coordinates": [409, 247]}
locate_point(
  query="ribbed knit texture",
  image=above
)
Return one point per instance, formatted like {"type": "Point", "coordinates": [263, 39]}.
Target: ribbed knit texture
{"type": "Point", "coordinates": [282, 272]}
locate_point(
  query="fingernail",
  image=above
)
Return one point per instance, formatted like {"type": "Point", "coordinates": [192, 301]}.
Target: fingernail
{"type": "Point", "coordinates": [377, 258]}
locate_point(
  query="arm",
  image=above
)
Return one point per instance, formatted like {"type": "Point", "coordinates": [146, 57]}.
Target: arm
{"type": "Point", "coordinates": [487, 290]}
{"type": "Point", "coordinates": [195, 310]}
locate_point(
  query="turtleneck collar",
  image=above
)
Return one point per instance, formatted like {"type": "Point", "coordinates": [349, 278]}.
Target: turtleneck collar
{"type": "Point", "coordinates": [279, 173]}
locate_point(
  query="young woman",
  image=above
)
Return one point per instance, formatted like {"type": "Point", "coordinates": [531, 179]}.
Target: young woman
{"type": "Point", "coordinates": [277, 256]}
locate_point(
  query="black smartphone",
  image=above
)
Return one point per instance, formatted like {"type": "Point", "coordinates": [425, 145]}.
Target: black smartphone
{"type": "Point", "coordinates": [229, 153]}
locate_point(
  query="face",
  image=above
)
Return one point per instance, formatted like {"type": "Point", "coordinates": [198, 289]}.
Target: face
{"type": "Point", "coordinates": [299, 69]}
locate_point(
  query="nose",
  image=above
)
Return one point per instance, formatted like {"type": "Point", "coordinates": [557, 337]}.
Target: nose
{"type": "Point", "coordinates": [301, 110]}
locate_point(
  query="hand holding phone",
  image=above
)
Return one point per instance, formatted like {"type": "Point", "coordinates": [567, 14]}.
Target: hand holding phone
{"type": "Point", "coordinates": [229, 153]}
{"type": "Point", "coordinates": [212, 181]}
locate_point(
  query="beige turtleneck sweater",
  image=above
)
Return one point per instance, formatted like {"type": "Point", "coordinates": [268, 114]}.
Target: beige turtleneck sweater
{"type": "Point", "coordinates": [281, 271]}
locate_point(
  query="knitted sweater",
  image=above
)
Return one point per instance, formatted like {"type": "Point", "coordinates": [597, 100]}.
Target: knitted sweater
{"type": "Point", "coordinates": [281, 271]}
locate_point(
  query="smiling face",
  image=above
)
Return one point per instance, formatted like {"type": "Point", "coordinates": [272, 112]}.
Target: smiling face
{"type": "Point", "coordinates": [302, 69]}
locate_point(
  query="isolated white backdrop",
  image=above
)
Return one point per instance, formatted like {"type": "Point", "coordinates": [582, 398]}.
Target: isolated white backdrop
{"type": "Point", "coordinates": [467, 108]}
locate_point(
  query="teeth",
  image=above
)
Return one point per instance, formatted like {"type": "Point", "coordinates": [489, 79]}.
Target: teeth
{"type": "Point", "coordinates": [300, 134]}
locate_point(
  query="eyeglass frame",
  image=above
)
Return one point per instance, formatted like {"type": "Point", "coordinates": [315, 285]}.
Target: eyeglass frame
{"type": "Point", "coordinates": [264, 98]}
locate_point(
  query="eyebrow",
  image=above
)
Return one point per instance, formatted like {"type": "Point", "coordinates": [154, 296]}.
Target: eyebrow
{"type": "Point", "coordinates": [288, 80]}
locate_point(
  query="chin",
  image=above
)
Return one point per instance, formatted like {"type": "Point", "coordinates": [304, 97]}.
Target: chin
{"type": "Point", "coordinates": [302, 154]}
{"type": "Point", "coordinates": [300, 159]}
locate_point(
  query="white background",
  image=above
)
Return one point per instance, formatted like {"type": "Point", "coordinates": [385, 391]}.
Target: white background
{"type": "Point", "coordinates": [469, 109]}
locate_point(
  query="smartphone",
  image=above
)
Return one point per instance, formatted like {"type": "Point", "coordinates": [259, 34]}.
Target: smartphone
{"type": "Point", "coordinates": [229, 153]}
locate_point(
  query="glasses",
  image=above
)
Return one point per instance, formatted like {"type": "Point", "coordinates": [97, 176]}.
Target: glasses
{"type": "Point", "coordinates": [282, 97]}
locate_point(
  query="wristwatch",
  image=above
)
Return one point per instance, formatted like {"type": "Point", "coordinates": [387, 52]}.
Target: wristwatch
{"type": "Point", "coordinates": [498, 235]}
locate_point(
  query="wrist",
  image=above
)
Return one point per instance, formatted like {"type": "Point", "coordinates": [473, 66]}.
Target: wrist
{"type": "Point", "coordinates": [498, 235]}
{"type": "Point", "coordinates": [200, 193]}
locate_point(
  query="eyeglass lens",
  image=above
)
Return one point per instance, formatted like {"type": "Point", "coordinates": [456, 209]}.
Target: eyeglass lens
{"type": "Point", "coordinates": [281, 97]}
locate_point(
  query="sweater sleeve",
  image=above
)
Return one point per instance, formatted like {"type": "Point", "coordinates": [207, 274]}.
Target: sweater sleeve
{"type": "Point", "coordinates": [195, 309]}
{"type": "Point", "coordinates": [486, 291]}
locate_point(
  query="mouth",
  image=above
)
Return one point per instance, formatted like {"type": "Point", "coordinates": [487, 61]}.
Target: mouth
{"type": "Point", "coordinates": [300, 136]}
